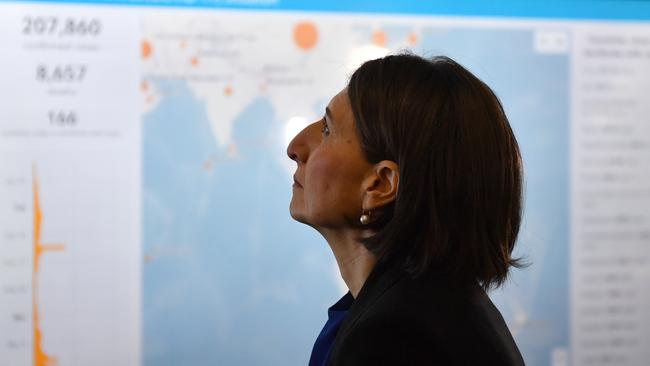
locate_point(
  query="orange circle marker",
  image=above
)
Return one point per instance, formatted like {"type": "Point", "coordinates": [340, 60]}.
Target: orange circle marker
{"type": "Point", "coordinates": [232, 150]}
{"type": "Point", "coordinates": [227, 91]}
{"type": "Point", "coordinates": [413, 39]}
{"type": "Point", "coordinates": [194, 61]}
{"type": "Point", "coordinates": [207, 165]}
{"type": "Point", "coordinates": [379, 38]}
{"type": "Point", "coordinates": [305, 34]}
{"type": "Point", "coordinates": [145, 49]}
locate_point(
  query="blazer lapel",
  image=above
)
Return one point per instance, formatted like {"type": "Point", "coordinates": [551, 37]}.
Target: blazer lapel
{"type": "Point", "coordinates": [382, 277]}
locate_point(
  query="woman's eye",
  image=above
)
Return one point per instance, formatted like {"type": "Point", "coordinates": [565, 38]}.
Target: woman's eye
{"type": "Point", "coordinates": [325, 129]}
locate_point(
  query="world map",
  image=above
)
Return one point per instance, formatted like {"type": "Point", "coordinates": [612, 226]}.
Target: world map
{"type": "Point", "coordinates": [229, 278]}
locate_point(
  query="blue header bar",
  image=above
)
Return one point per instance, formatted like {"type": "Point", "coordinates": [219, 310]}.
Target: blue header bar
{"type": "Point", "coordinates": [549, 9]}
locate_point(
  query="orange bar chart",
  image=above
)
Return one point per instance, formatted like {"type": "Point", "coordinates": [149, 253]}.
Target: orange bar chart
{"type": "Point", "coordinates": [40, 357]}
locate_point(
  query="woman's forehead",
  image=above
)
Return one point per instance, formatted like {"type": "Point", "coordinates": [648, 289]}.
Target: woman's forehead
{"type": "Point", "coordinates": [339, 106]}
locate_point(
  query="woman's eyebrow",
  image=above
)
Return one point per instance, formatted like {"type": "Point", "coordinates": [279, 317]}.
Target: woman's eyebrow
{"type": "Point", "coordinates": [328, 113]}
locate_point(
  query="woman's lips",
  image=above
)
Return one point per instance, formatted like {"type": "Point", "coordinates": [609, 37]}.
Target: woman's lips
{"type": "Point", "coordinates": [296, 183]}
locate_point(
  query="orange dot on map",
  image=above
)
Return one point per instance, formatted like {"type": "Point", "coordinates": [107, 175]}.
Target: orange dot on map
{"type": "Point", "coordinates": [379, 38]}
{"type": "Point", "coordinates": [145, 49]}
{"type": "Point", "coordinates": [227, 91]}
{"type": "Point", "coordinates": [232, 150]}
{"type": "Point", "coordinates": [305, 34]}
{"type": "Point", "coordinates": [144, 86]}
{"type": "Point", "coordinates": [194, 61]}
{"type": "Point", "coordinates": [207, 165]}
{"type": "Point", "coordinates": [413, 39]}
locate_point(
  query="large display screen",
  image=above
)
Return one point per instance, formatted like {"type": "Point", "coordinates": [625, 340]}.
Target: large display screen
{"type": "Point", "coordinates": [144, 183]}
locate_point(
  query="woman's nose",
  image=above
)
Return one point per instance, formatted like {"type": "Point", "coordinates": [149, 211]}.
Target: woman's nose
{"type": "Point", "coordinates": [291, 150]}
{"type": "Point", "coordinates": [298, 149]}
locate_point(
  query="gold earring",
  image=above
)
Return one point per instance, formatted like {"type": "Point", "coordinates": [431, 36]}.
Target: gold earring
{"type": "Point", "coordinates": [365, 217]}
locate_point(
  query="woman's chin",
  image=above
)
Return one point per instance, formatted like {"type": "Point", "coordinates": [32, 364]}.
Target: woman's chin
{"type": "Point", "coordinates": [296, 213]}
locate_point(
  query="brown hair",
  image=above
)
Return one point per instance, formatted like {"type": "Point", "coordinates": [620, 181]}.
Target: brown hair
{"type": "Point", "coordinates": [459, 202]}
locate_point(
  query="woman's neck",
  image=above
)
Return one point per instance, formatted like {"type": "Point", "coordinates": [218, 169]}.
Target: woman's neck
{"type": "Point", "coordinates": [354, 260]}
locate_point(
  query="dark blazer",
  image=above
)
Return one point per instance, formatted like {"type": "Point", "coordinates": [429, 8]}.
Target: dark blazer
{"type": "Point", "coordinates": [396, 320]}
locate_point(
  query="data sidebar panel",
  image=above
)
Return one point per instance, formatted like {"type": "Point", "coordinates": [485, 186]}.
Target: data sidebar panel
{"type": "Point", "coordinates": [70, 167]}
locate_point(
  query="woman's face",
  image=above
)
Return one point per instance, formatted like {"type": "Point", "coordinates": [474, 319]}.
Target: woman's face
{"type": "Point", "coordinates": [327, 190]}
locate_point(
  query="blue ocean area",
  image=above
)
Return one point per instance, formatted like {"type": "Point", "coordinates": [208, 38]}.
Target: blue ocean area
{"type": "Point", "coordinates": [229, 278]}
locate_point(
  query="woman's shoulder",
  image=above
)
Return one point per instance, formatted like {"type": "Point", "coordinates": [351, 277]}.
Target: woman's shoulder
{"type": "Point", "coordinates": [437, 306]}
{"type": "Point", "coordinates": [392, 291]}
{"type": "Point", "coordinates": [436, 298]}
{"type": "Point", "coordinates": [427, 320]}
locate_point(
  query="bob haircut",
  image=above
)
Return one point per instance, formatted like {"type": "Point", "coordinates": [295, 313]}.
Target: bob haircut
{"type": "Point", "coordinates": [458, 207]}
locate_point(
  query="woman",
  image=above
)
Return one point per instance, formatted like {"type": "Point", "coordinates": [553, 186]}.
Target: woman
{"type": "Point", "coordinates": [414, 178]}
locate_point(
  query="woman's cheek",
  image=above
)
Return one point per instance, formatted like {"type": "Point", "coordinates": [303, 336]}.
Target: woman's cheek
{"type": "Point", "coordinates": [324, 175]}
{"type": "Point", "coordinates": [321, 176]}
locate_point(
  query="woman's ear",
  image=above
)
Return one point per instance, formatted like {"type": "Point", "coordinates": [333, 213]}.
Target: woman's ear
{"type": "Point", "coordinates": [381, 184]}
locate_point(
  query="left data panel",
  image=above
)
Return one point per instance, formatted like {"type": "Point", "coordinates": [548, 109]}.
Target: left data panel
{"type": "Point", "coordinates": [70, 186]}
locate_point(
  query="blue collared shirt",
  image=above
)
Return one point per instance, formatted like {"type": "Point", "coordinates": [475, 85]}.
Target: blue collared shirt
{"type": "Point", "coordinates": [323, 346]}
